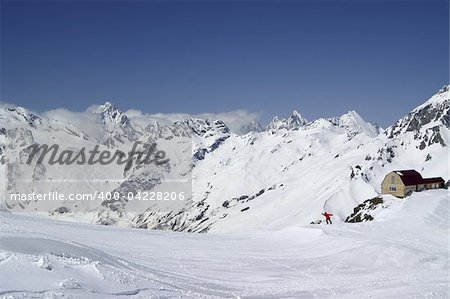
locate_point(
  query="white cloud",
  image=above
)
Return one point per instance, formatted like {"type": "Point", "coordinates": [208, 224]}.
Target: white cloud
{"type": "Point", "coordinates": [89, 122]}
{"type": "Point", "coordinates": [86, 121]}
{"type": "Point", "coordinates": [233, 119]}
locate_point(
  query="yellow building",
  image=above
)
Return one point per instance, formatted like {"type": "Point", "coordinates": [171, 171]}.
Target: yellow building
{"type": "Point", "coordinates": [402, 183]}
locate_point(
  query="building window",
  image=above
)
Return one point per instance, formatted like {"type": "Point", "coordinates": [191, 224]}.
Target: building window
{"type": "Point", "coordinates": [392, 179]}
{"type": "Point", "coordinates": [393, 188]}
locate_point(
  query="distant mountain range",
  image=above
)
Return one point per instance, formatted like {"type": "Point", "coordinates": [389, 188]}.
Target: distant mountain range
{"type": "Point", "coordinates": [252, 177]}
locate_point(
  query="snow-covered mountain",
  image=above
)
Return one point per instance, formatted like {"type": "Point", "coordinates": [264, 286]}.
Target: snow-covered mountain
{"type": "Point", "coordinates": [282, 176]}
{"type": "Point", "coordinates": [253, 126]}
{"type": "Point", "coordinates": [116, 125]}
{"type": "Point", "coordinates": [294, 122]}
{"type": "Point", "coordinates": [354, 124]}
{"type": "Point", "coordinates": [427, 122]}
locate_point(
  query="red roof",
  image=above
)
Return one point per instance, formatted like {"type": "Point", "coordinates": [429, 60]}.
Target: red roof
{"type": "Point", "coordinates": [411, 177]}
{"type": "Point", "coordinates": [433, 180]}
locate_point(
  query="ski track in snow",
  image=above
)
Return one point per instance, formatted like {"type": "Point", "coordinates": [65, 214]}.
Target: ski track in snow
{"type": "Point", "coordinates": [403, 254]}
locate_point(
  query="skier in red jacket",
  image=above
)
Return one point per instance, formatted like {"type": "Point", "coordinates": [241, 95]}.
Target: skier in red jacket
{"type": "Point", "coordinates": [328, 217]}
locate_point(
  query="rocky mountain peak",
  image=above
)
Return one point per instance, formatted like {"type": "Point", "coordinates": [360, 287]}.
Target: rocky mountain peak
{"type": "Point", "coordinates": [253, 126]}
{"type": "Point", "coordinates": [427, 123]}
{"type": "Point", "coordinates": [445, 88]}
{"type": "Point", "coordinates": [110, 113]}
{"type": "Point", "coordinates": [355, 124]}
{"type": "Point", "coordinates": [293, 122]}
{"type": "Point", "coordinates": [434, 112]}
{"type": "Point", "coordinates": [203, 127]}
{"type": "Point", "coordinates": [23, 115]}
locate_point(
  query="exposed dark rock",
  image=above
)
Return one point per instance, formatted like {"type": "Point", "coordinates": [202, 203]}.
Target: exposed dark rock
{"type": "Point", "coordinates": [62, 210]}
{"type": "Point", "coordinates": [361, 212]}
{"type": "Point", "coordinates": [418, 118]}
{"type": "Point", "coordinates": [243, 197]}
{"type": "Point", "coordinates": [202, 214]}
{"type": "Point", "coordinates": [422, 145]}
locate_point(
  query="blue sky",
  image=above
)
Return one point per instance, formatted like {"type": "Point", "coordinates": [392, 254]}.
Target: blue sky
{"type": "Point", "coordinates": [323, 58]}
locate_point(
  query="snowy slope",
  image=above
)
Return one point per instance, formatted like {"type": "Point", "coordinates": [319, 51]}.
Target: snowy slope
{"type": "Point", "coordinates": [402, 254]}
{"type": "Point", "coordinates": [283, 176]}
{"type": "Point", "coordinates": [289, 176]}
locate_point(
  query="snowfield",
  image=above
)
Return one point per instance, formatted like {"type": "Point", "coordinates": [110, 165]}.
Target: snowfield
{"type": "Point", "coordinates": [404, 253]}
